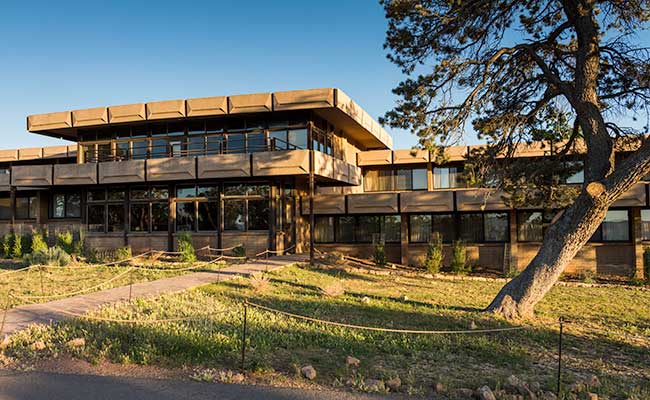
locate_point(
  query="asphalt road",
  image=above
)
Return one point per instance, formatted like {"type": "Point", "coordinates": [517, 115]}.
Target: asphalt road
{"type": "Point", "coordinates": [44, 385]}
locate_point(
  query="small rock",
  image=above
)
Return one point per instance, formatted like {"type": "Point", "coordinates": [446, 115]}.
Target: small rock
{"type": "Point", "coordinates": [485, 393]}
{"type": "Point", "coordinates": [38, 345]}
{"type": "Point", "coordinates": [352, 362]}
{"type": "Point", "coordinates": [237, 378]}
{"type": "Point", "coordinates": [592, 396]}
{"type": "Point", "coordinates": [464, 393]}
{"type": "Point", "coordinates": [513, 382]}
{"type": "Point", "coordinates": [439, 387]}
{"type": "Point", "coordinates": [535, 387]}
{"type": "Point", "coordinates": [374, 385]}
{"type": "Point", "coordinates": [394, 383]}
{"type": "Point", "coordinates": [405, 298]}
{"type": "Point", "coordinates": [308, 372]}
{"type": "Point", "coordinates": [593, 382]}
{"type": "Point", "coordinates": [74, 343]}
{"type": "Point", "coordinates": [472, 325]}
{"type": "Point", "coordinates": [365, 300]}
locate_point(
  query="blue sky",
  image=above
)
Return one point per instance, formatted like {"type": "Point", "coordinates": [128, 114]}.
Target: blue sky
{"type": "Point", "coordinates": [66, 55]}
{"type": "Point", "coordinates": [61, 55]}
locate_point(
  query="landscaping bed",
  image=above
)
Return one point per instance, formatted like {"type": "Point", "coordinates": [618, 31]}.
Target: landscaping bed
{"type": "Point", "coordinates": [608, 336]}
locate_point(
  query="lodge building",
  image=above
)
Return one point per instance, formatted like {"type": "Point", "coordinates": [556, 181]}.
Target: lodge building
{"type": "Point", "coordinates": [240, 169]}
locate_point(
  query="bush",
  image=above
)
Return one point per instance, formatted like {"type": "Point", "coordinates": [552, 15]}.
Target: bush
{"type": "Point", "coordinates": [435, 254]}
{"type": "Point", "coordinates": [64, 240]}
{"type": "Point", "coordinates": [80, 245]}
{"type": "Point", "coordinates": [123, 253]}
{"type": "Point", "coordinates": [7, 245]}
{"type": "Point", "coordinates": [239, 251]}
{"type": "Point", "coordinates": [259, 282]}
{"type": "Point", "coordinates": [49, 256]}
{"type": "Point", "coordinates": [380, 255]}
{"type": "Point", "coordinates": [17, 248]}
{"type": "Point", "coordinates": [459, 259]}
{"type": "Point", "coordinates": [38, 243]}
{"type": "Point", "coordinates": [186, 248]}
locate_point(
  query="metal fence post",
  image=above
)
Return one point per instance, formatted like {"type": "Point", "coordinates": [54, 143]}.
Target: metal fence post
{"type": "Point", "coordinates": [243, 340]}
{"type": "Point", "coordinates": [559, 359]}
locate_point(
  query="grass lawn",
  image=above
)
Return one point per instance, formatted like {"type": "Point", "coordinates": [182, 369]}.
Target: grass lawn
{"type": "Point", "coordinates": [38, 285]}
{"type": "Point", "coordinates": [610, 335]}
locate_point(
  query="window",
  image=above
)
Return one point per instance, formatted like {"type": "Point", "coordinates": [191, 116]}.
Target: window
{"type": "Point", "coordinates": [149, 209]}
{"type": "Point", "coordinates": [5, 206]}
{"type": "Point", "coordinates": [484, 227]}
{"type": "Point", "coordinates": [345, 229]}
{"type": "Point", "coordinates": [419, 228]}
{"type": "Point", "coordinates": [358, 229]}
{"type": "Point", "coordinates": [26, 206]}
{"type": "Point", "coordinates": [105, 210]}
{"type": "Point", "coordinates": [197, 208]}
{"type": "Point", "coordinates": [645, 224]}
{"type": "Point", "coordinates": [579, 176]}
{"type": "Point", "coordinates": [446, 178]}
{"type": "Point", "coordinates": [495, 227]}
{"type": "Point", "coordinates": [324, 229]}
{"type": "Point", "coordinates": [246, 207]}
{"type": "Point", "coordinates": [66, 205]}
{"type": "Point", "coordinates": [614, 228]}
{"type": "Point", "coordinates": [387, 179]}
{"type": "Point", "coordinates": [530, 226]}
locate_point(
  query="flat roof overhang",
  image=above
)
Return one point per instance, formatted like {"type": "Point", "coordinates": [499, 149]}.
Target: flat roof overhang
{"type": "Point", "coordinates": [331, 104]}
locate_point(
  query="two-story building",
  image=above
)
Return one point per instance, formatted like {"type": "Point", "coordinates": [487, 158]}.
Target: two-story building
{"type": "Point", "coordinates": [242, 168]}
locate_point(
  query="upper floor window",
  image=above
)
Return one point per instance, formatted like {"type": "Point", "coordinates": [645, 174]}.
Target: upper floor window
{"type": "Point", "coordinates": [446, 177]}
{"type": "Point", "coordinates": [579, 176]}
{"type": "Point", "coordinates": [388, 179]}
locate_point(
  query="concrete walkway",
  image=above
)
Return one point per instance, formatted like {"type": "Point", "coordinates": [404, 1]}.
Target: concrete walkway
{"type": "Point", "coordinates": [21, 317]}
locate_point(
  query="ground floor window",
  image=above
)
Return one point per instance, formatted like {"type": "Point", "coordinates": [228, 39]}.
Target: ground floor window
{"type": "Point", "coordinates": [66, 205]}
{"type": "Point", "coordinates": [357, 229]}
{"type": "Point", "coordinates": [106, 210]}
{"type": "Point", "coordinates": [471, 227]}
{"type": "Point", "coordinates": [614, 228]}
{"type": "Point", "coordinates": [245, 207]}
{"type": "Point", "coordinates": [645, 224]}
{"type": "Point", "coordinates": [26, 206]}
{"type": "Point", "coordinates": [5, 206]}
{"type": "Point", "coordinates": [149, 209]}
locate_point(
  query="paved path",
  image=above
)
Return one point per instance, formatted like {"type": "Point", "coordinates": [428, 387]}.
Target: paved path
{"type": "Point", "coordinates": [49, 386]}
{"type": "Point", "coordinates": [20, 317]}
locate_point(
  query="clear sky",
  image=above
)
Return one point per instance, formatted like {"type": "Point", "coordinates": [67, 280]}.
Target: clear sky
{"type": "Point", "coordinates": [62, 55]}
{"type": "Point", "coordinates": [65, 55]}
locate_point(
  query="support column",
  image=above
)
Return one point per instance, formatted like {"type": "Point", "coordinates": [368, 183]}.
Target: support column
{"type": "Point", "coordinates": [637, 240]}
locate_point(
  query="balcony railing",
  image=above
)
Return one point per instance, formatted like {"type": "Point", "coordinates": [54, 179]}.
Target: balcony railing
{"type": "Point", "coordinates": [148, 149]}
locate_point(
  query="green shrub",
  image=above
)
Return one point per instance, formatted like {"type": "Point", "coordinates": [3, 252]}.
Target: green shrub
{"type": "Point", "coordinates": [459, 259]}
{"type": "Point", "coordinates": [379, 257]}
{"type": "Point", "coordinates": [123, 253]}
{"type": "Point", "coordinates": [38, 242]}
{"type": "Point", "coordinates": [49, 256]}
{"type": "Point", "coordinates": [435, 254]}
{"type": "Point", "coordinates": [239, 251]}
{"type": "Point", "coordinates": [7, 245]}
{"type": "Point", "coordinates": [64, 240]}
{"type": "Point", "coordinates": [80, 245]}
{"type": "Point", "coordinates": [186, 248]}
{"type": "Point", "coordinates": [17, 248]}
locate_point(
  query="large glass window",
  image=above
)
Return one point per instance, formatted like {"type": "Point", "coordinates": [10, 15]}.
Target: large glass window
{"type": "Point", "coordinates": [388, 179]}
{"type": "Point", "coordinates": [66, 205]}
{"type": "Point", "coordinates": [208, 215]}
{"type": "Point", "coordinates": [445, 226]}
{"type": "Point", "coordinates": [149, 209]}
{"type": "Point", "coordinates": [246, 207]}
{"type": "Point", "coordinates": [139, 217]}
{"type": "Point", "coordinates": [495, 227]}
{"type": "Point", "coordinates": [96, 217]}
{"type": "Point", "coordinates": [358, 229]}
{"type": "Point", "coordinates": [26, 206]}
{"type": "Point", "coordinates": [419, 228]}
{"type": "Point", "coordinates": [446, 178]}
{"type": "Point", "coordinates": [614, 228]}
{"type": "Point", "coordinates": [185, 219]}
{"type": "Point", "coordinates": [324, 230]}
{"type": "Point", "coordinates": [198, 207]}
